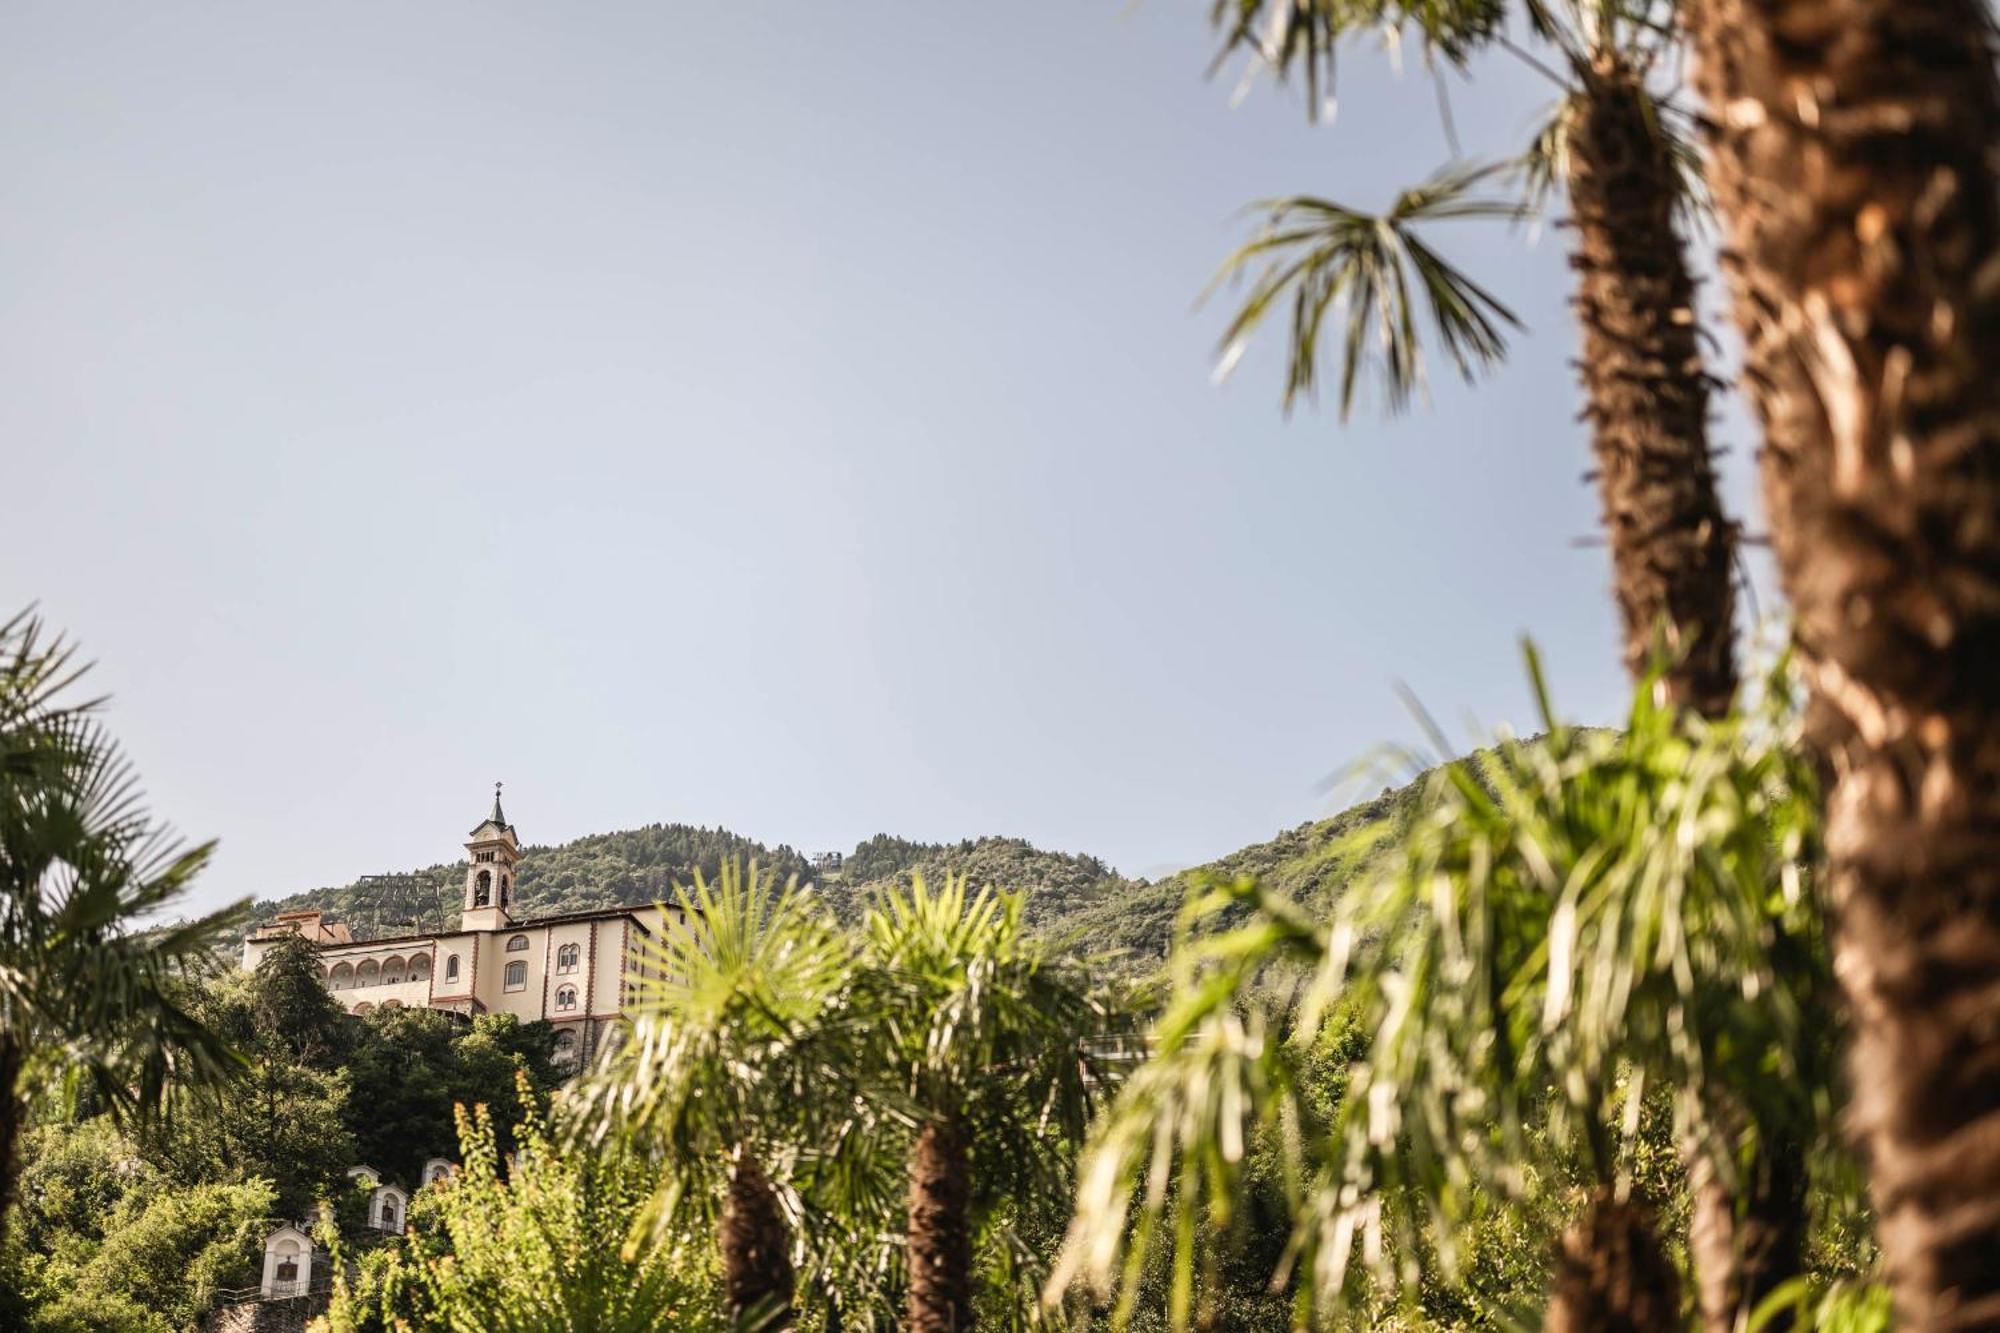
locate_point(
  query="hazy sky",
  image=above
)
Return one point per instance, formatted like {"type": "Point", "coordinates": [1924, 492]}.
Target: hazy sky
{"type": "Point", "coordinates": [792, 416]}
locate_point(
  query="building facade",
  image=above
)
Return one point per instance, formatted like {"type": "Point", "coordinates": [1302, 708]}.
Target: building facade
{"type": "Point", "coordinates": [575, 970]}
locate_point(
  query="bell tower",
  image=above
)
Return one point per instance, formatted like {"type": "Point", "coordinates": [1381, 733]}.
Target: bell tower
{"type": "Point", "coordinates": [489, 872]}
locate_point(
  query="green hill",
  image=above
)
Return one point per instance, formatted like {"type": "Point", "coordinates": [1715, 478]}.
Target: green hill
{"type": "Point", "coordinates": [1303, 861]}
{"type": "Point", "coordinates": [1072, 898]}
{"type": "Point", "coordinates": [602, 870]}
{"type": "Point", "coordinates": [1058, 884]}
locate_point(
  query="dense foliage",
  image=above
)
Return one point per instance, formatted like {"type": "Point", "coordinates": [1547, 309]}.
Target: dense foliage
{"type": "Point", "coordinates": [111, 1242]}
{"type": "Point", "coordinates": [1557, 966]}
{"type": "Point", "coordinates": [528, 1243]}
{"type": "Point", "coordinates": [91, 986]}
{"type": "Point", "coordinates": [139, 1229]}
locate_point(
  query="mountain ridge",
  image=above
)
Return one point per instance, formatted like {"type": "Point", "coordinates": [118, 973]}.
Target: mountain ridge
{"type": "Point", "coordinates": [1073, 898]}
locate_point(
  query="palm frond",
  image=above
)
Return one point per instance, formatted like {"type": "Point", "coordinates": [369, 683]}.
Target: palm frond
{"type": "Point", "coordinates": [735, 1038]}
{"type": "Point", "coordinates": [1301, 39]}
{"type": "Point", "coordinates": [91, 984]}
{"type": "Point", "coordinates": [1553, 929]}
{"type": "Point", "coordinates": [1377, 278]}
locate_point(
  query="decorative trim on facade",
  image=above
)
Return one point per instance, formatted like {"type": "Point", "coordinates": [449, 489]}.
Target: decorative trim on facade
{"type": "Point", "coordinates": [590, 993]}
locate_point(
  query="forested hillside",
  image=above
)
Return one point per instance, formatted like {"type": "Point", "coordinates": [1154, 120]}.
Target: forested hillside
{"type": "Point", "coordinates": [600, 870]}
{"type": "Point", "coordinates": [1070, 896]}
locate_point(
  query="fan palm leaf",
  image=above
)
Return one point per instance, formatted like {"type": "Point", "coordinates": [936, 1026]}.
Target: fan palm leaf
{"type": "Point", "coordinates": [738, 1077]}
{"type": "Point", "coordinates": [1378, 279]}
{"type": "Point", "coordinates": [92, 984]}
{"type": "Point", "coordinates": [996, 1053]}
{"type": "Point", "coordinates": [1549, 931]}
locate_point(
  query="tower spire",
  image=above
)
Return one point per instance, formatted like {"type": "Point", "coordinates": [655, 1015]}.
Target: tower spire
{"type": "Point", "coordinates": [490, 858]}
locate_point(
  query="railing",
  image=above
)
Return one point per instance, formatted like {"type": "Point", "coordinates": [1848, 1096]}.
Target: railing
{"type": "Point", "coordinates": [320, 1282]}
{"type": "Point", "coordinates": [370, 983]}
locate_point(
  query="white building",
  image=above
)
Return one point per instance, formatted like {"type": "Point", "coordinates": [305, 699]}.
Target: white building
{"type": "Point", "coordinates": [290, 1254]}
{"type": "Point", "coordinates": [288, 1264]}
{"type": "Point", "coordinates": [573, 970]}
{"type": "Point", "coordinates": [388, 1205]}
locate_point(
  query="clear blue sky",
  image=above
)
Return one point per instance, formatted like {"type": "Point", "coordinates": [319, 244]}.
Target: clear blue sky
{"type": "Point", "coordinates": [791, 416]}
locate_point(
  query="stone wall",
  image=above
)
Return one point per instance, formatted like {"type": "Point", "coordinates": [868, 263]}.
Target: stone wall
{"type": "Point", "coordinates": [286, 1316]}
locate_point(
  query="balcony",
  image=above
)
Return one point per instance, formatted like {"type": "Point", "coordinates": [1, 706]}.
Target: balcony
{"type": "Point", "coordinates": [397, 995]}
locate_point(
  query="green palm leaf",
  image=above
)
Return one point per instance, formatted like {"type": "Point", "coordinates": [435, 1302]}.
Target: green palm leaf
{"type": "Point", "coordinates": [734, 1038]}
{"type": "Point", "coordinates": [1378, 279]}
{"type": "Point", "coordinates": [1301, 38]}
{"type": "Point", "coordinates": [92, 985]}
{"type": "Point", "coordinates": [1548, 932]}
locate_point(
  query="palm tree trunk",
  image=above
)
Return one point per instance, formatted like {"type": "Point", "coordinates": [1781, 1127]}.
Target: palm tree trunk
{"type": "Point", "coordinates": [756, 1251]}
{"type": "Point", "coordinates": [11, 1114]}
{"type": "Point", "coordinates": [1740, 1260]}
{"type": "Point", "coordinates": [940, 1230]}
{"type": "Point", "coordinates": [1852, 148]}
{"type": "Point", "coordinates": [1612, 1275]}
{"type": "Point", "coordinates": [1672, 548]}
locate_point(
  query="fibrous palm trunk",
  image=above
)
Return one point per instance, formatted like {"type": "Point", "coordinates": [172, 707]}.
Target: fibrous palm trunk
{"type": "Point", "coordinates": [1852, 146]}
{"type": "Point", "coordinates": [1646, 391]}
{"type": "Point", "coordinates": [940, 1230]}
{"type": "Point", "coordinates": [12, 1113]}
{"type": "Point", "coordinates": [1611, 1274]}
{"type": "Point", "coordinates": [1746, 1239]}
{"type": "Point", "coordinates": [1672, 546]}
{"type": "Point", "coordinates": [756, 1251]}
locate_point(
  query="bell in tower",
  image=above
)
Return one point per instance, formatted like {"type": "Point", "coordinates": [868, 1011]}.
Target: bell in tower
{"type": "Point", "coordinates": [489, 872]}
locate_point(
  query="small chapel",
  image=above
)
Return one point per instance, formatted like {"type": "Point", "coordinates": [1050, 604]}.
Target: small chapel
{"type": "Point", "coordinates": [575, 969]}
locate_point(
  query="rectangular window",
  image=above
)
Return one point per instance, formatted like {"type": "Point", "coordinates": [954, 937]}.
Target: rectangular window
{"type": "Point", "coordinates": [517, 976]}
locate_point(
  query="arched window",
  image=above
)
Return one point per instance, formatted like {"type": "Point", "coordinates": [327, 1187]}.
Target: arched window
{"type": "Point", "coordinates": [392, 972]}
{"type": "Point", "coordinates": [482, 889]}
{"type": "Point", "coordinates": [288, 1261]}
{"type": "Point", "coordinates": [566, 958]}
{"type": "Point", "coordinates": [565, 1048]}
{"type": "Point", "coordinates": [451, 968]}
{"type": "Point", "coordinates": [368, 974]}
{"type": "Point", "coordinates": [388, 1214]}
{"type": "Point", "coordinates": [517, 976]}
{"type": "Point", "coordinates": [565, 997]}
{"type": "Point", "coordinates": [420, 968]}
{"type": "Point", "coordinates": [505, 884]}
{"type": "Point", "coordinates": [363, 1008]}
{"type": "Point", "coordinates": [342, 978]}
{"type": "Point", "coordinates": [519, 944]}
{"type": "Point", "coordinates": [392, 1004]}
{"type": "Point", "coordinates": [440, 1172]}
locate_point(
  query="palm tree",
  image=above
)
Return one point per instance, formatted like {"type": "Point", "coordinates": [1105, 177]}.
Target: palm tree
{"type": "Point", "coordinates": [1544, 935]}
{"type": "Point", "coordinates": [988, 1046]}
{"type": "Point", "coordinates": [733, 1056]}
{"type": "Point", "coordinates": [1852, 158]}
{"type": "Point", "coordinates": [1612, 146]}
{"type": "Point", "coordinates": [91, 993]}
